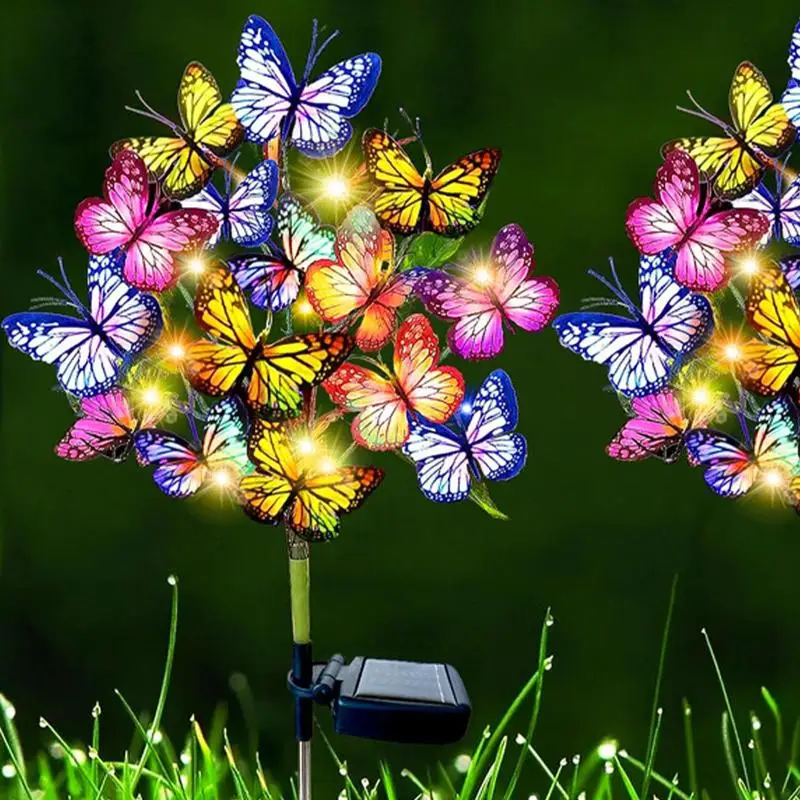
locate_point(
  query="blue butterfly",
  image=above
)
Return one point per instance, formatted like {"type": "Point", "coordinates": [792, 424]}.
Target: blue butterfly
{"type": "Point", "coordinates": [182, 468]}
{"type": "Point", "coordinates": [484, 446]}
{"type": "Point", "coordinates": [643, 352]}
{"type": "Point", "coordinates": [790, 267]}
{"type": "Point", "coordinates": [93, 351]}
{"type": "Point", "coordinates": [782, 208]}
{"type": "Point", "coordinates": [311, 116]}
{"type": "Point", "coordinates": [274, 281]}
{"type": "Point", "coordinates": [244, 214]}
{"type": "Point", "coordinates": [732, 468]}
{"type": "Point", "coordinates": [791, 97]}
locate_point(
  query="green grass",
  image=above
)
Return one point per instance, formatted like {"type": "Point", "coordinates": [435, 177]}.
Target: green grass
{"type": "Point", "coordinates": [504, 765]}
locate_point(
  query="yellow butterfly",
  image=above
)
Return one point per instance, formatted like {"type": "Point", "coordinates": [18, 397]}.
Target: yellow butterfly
{"type": "Point", "coordinates": [761, 130]}
{"type": "Point", "coordinates": [448, 204]}
{"type": "Point", "coordinates": [209, 130]}
{"type": "Point", "coordinates": [294, 485]}
{"type": "Point", "coordinates": [269, 376]}
{"type": "Point", "coordinates": [765, 367]}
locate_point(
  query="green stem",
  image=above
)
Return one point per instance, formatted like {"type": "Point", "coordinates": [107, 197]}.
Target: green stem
{"type": "Point", "coordinates": [300, 590]}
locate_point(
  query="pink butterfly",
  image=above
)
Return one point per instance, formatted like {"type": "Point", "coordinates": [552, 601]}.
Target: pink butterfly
{"type": "Point", "coordinates": [500, 293]}
{"type": "Point", "coordinates": [658, 428]}
{"type": "Point", "coordinates": [107, 428]}
{"type": "Point", "coordinates": [128, 218]}
{"type": "Point", "coordinates": [700, 236]}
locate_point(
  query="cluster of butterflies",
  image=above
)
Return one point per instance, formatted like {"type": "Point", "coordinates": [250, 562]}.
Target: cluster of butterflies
{"type": "Point", "coordinates": [256, 395]}
{"type": "Point", "coordinates": [712, 206]}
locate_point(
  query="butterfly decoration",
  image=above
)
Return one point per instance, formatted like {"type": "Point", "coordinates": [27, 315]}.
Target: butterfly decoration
{"type": "Point", "coordinates": [791, 97]}
{"type": "Point", "coordinates": [769, 361]}
{"type": "Point", "coordinates": [363, 282]}
{"type": "Point", "coordinates": [481, 446]}
{"type": "Point", "coordinates": [92, 351]}
{"type": "Point", "coordinates": [243, 214]}
{"type": "Point", "coordinates": [501, 294]}
{"type": "Point", "coordinates": [790, 267]}
{"type": "Point", "coordinates": [327, 303]}
{"type": "Point", "coordinates": [274, 280]}
{"type": "Point", "coordinates": [209, 130]}
{"type": "Point", "coordinates": [781, 207]}
{"type": "Point", "coordinates": [644, 350]}
{"type": "Point", "coordinates": [384, 400]}
{"type": "Point", "coordinates": [269, 376]}
{"type": "Point", "coordinates": [129, 219]}
{"type": "Point", "coordinates": [308, 494]}
{"type": "Point", "coordinates": [312, 116]}
{"type": "Point", "coordinates": [657, 428]}
{"type": "Point", "coordinates": [732, 469]}
{"type": "Point", "coordinates": [700, 236]}
{"type": "Point", "coordinates": [107, 427]}
{"type": "Point", "coordinates": [407, 203]}
{"type": "Point", "coordinates": [183, 468]}
{"type": "Point", "coordinates": [734, 163]}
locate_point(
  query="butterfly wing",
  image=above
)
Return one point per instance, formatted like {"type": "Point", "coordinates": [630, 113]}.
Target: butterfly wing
{"type": "Point", "coordinates": [763, 200]}
{"type": "Point", "coordinates": [105, 428]}
{"type": "Point", "coordinates": [441, 460]}
{"type": "Point", "coordinates": [150, 260]}
{"type": "Point", "coordinates": [791, 96]}
{"type": "Point", "coordinates": [762, 123]}
{"type": "Point", "coordinates": [431, 390]}
{"type": "Point", "coordinates": [272, 282]}
{"type": "Point", "coordinates": [321, 128]}
{"type": "Point", "coordinates": [527, 301]}
{"type": "Point", "coordinates": [399, 204]}
{"type": "Point", "coordinates": [499, 452]}
{"type": "Point", "coordinates": [381, 421]}
{"type": "Point", "coordinates": [179, 470]}
{"type": "Point", "coordinates": [326, 496]}
{"type": "Point", "coordinates": [788, 222]}
{"type": "Point", "coordinates": [478, 332]}
{"type": "Point", "coordinates": [380, 316]}
{"type": "Point", "coordinates": [771, 310]}
{"type": "Point", "coordinates": [730, 472]}
{"type": "Point", "coordinates": [790, 267]}
{"type": "Point", "coordinates": [655, 225]}
{"type": "Point", "coordinates": [104, 224]}
{"type": "Point", "coordinates": [209, 199]}
{"type": "Point", "coordinates": [265, 91]}
{"type": "Point", "coordinates": [701, 260]}
{"type": "Point", "coordinates": [250, 205]}
{"type": "Point", "coordinates": [458, 191]}
{"type": "Point", "coordinates": [225, 437]}
{"type": "Point", "coordinates": [656, 429]}
{"type": "Point", "coordinates": [775, 437]}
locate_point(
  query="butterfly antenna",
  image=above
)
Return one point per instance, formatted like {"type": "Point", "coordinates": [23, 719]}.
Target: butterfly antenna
{"type": "Point", "coordinates": [701, 113]}
{"type": "Point", "coordinates": [741, 415]}
{"type": "Point", "coordinates": [150, 113]}
{"type": "Point", "coordinates": [191, 417]}
{"type": "Point", "coordinates": [38, 303]}
{"type": "Point", "coordinates": [416, 127]}
{"type": "Point", "coordinates": [321, 49]}
{"type": "Point", "coordinates": [615, 288]}
{"type": "Point", "coordinates": [66, 291]}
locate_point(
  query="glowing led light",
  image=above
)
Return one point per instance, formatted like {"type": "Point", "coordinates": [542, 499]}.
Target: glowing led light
{"type": "Point", "coordinates": [151, 396]}
{"type": "Point", "coordinates": [465, 408]}
{"type": "Point", "coordinates": [327, 465]}
{"type": "Point", "coordinates": [176, 351]}
{"type": "Point", "coordinates": [305, 446]}
{"type": "Point", "coordinates": [700, 396]}
{"type": "Point", "coordinates": [222, 478]}
{"type": "Point", "coordinates": [773, 478]}
{"type": "Point", "coordinates": [303, 307]}
{"type": "Point", "coordinates": [462, 763]}
{"type": "Point", "coordinates": [482, 275]}
{"type": "Point", "coordinates": [336, 187]}
{"type": "Point", "coordinates": [196, 266]}
{"type": "Point", "coordinates": [732, 351]}
{"type": "Point", "coordinates": [607, 750]}
{"type": "Point", "coordinates": [749, 265]}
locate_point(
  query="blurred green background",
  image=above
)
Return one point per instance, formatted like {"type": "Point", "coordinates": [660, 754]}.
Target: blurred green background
{"type": "Point", "coordinates": [579, 95]}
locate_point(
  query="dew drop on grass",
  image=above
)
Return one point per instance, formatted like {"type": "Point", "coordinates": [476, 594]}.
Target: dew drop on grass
{"type": "Point", "coordinates": [78, 756]}
{"type": "Point", "coordinates": [548, 663]}
{"type": "Point", "coordinates": [92, 754]}
{"type": "Point", "coordinates": [487, 732]}
{"type": "Point", "coordinates": [548, 620]}
{"type": "Point", "coordinates": [519, 739]}
{"type": "Point", "coordinates": [11, 712]}
{"type": "Point", "coordinates": [56, 751]}
{"type": "Point", "coordinates": [533, 797]}
{"type": "Point", "coordinates": [42, 722]}
{"type": "Point", "coordinates": [751, 745]}
{"type": "Point", "coordinates": [96, 710]}
{"type": "Point", "coordinates": [343, 768]}
{"type": "Point", "coordinates": [342, 795]}
{"type": "Point", "coordinates": [767, 781]}
{"type": "Point", "coordinates": [756, 723]}
{"type": "Point", "coordinates": [365, 783]}
{"type": "Point", "coordinates": [609, 767]}
{"type": "Point", "coordinates": [8, 771]}
{"type": "Point", "coordinates": [186, 759]}
{"type": "Point", "coordinates": [563, 762]}
{"type": "Point", "coordinates": [462, 763]}
{"type": "Point", "coordinates": [172, 580]}
{"type": "Point", "coordinates": [576, 759]}
{"type": "Point", "coordinates": [623, 753]}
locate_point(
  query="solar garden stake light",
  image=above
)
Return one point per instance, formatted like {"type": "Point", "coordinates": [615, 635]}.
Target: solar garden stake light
{"type": "Point", "coordinates": [334, 312]}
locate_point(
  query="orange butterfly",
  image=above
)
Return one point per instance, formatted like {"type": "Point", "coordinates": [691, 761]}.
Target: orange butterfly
{"type": "Point", "coordinates": [362, 280]}
{"type": "Point", "coordinates": [417, 386]}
